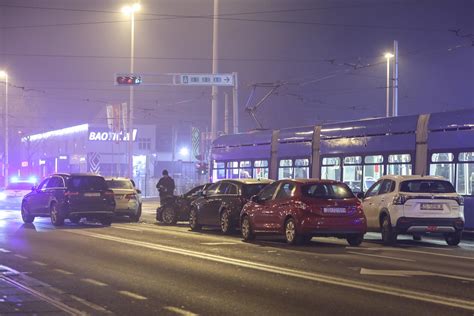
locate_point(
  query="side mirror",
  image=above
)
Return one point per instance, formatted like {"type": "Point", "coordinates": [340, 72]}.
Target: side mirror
{"type": "Point", "coordinates": [139, 191]}
{"type": "Point", "coordinates": [255, 199]}
{"type": "Point", "coordinates": [33, 188]}
{"type": "Point", "coordinates": [360, 195]}
{"type": "Point", "coordinates": [203, 193]}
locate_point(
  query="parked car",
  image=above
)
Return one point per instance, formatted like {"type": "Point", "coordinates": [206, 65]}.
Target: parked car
{"type": "Point", "coordinates": [70, 196]}
{"type": "Point", "coordinates": [12, 195]}
{"type": "Point", "coordinates": [302, 209]}
{"type": "Point", "coordinates": [221, 203]}
{"type": "Point", "coordinates": [414, 205]}
{"type": "Point", "coordinates": [128, 199]}
{"type": "Point", "coordinates": [177, 208]}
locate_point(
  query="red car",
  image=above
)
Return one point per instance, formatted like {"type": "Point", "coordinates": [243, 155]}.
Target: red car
{"type": "Point", "coordinates": [302, 209]}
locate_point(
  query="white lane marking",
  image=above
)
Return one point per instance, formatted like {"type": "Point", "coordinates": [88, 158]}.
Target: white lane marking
{"type": "Point", "coordinates": [94, 282]}
{"type": "Point", "coordinates": [338, 281]}
{"type": "Point", "coordinates": [407, 273]}
{"type": "Point", "coordinates": [179, 311]}
{"type": "Point", "coordinates": [63, 271]}
{"type": "Point", "coordinates": [21, 256]}
{"type": "Point", "coordinates": [4, 250]}
{"type": "Point", "coordinates": [127, 228]}
{"type": "Point", "coordinates": [380, 256]}
{"type": "Point", "coordinates": [218, 243]}
{"type": "Point", "coordinates": [418, 251]}
{"type": "Point", "coordinates": [39, 263]}
{"type": "Point", "coordinates": [133, 295]}
{"type": "Point", "coordinates": [90, 304]}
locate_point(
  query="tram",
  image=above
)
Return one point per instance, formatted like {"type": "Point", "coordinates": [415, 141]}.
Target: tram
{"type": "Point", "coordinates": [357, 152]}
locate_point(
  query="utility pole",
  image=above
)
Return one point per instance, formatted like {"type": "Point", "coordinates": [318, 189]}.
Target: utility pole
{"type": "Point", "coordinates": [226, 113]}
{"type": "Point", "coordinates": [235, 104]}
{"type": "Point", "coordinates": [215, 89]}
{"type": "Point", "coordinates": [395, 80]}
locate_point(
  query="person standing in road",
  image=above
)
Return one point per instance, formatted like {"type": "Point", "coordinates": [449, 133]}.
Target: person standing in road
{"type": "Point", "coordinates": [165, 186]}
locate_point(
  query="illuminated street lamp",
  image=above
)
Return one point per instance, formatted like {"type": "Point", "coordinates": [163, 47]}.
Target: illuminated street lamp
{"type": "Point", "coordinates": [130, 10]}
{"type": "Point", "coordinates": [4, 75]}
{"type": "Point", "coordinates": [388, 56]}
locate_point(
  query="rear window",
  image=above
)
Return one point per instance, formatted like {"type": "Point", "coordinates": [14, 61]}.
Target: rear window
{"type": "Point", "coordinates": [252, 189]}
{"type": "Point", "coordinates": [19, 186]}
{"type": "Point", "coordinates": [119, 184]}
{"type": "Point", "coordinates": [427, 186]}
{"type": "Point", "coordinates": [87, 183]}
{"type": "Point", "coordinates": [327, 191]}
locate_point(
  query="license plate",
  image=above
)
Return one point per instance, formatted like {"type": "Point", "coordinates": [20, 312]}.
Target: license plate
{"type": "Point", "coordinates": [91, 194]}
{"type": "Point", "coordinates": [431, 206]}
{"type": "Point", "coordinates": [334, 210]}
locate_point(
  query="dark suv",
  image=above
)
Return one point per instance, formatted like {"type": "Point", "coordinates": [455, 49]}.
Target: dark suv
{"type": "Point", "coordinates": [70, 196]}
{"type": "Point", "coordinates": [220, 204]}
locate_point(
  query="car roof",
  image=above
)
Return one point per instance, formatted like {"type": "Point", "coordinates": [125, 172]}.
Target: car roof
{"type": "Point", "coordinates": [249, 181]}
{"type": "Point", "coordinates": [116, 178]}
{"type": "Point", "coordinates": [82, 174]}
{"type": "Point", "coordinates": [311, 180]}
{"type": "Point", "coordinates": [413, 177]}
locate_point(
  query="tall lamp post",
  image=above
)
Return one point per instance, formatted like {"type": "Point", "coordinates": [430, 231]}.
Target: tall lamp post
{"type": "Point", "coordinates": [388, 56]}
{"type": "Point", "coordinates": [4, 74]}
{"type": "Point", "coordinates": [130, 10]}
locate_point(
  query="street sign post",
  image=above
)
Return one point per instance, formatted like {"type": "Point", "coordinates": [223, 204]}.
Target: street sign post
{"type": "Point", "coordinates": [205, 80]}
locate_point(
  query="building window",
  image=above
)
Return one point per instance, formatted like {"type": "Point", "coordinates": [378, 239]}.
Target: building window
{"type": "Point", "coordinates": [144, 143]}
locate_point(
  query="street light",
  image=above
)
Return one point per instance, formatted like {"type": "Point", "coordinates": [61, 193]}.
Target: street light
{"type": "Point", "coordinates": [4, 74]}
{"type": "Point", "coordinates": [388, 56]}
{"type": "Point", "coordinates": [130, 10]}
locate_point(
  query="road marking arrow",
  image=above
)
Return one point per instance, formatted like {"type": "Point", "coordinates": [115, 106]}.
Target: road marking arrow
{"type": "Point", "coordinates": [409, 273]}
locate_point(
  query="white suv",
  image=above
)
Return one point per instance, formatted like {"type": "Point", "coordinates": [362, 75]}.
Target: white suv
{"type": "Point", "coordinates": [414, 205]}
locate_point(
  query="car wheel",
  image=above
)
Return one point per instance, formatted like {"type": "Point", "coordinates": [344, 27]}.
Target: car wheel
{"type": "Point", "coordinates": [169, 216]}
{"type": "Point", "coordinates": [355, 240]}
{"type": "Point", "coordinates": [75, 219]}
{"type": "Point", "coordinates": [25, 214]}
{"type": "Point", "coordinates": [417, 237]}
{"type": "Point", "coordinates": [453, 239]}
{"type": "Point", "coordinates": [291, 235]}
{"type": "Point", "coordinates": [193, 220]}
{"type": "Point", "coordinates": [246, 229]}
{"type": "Point", "coordinates": [136, 217]}
{"type": "Point", "coordinates": [106, 221]}
{"type": "Point", "coordinates": [56, 218]}
{"type": "Point", "coordinates": [389, 236]}
{"type": "Point", "coordinates": [227, 226]}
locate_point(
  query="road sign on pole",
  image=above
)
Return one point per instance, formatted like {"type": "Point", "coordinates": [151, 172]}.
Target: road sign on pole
{"type": "Point", "coordinates": [205, 80]}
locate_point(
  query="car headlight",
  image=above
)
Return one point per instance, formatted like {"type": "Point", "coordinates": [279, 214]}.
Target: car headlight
{"type": "Point", "coordinates": [3, 196]}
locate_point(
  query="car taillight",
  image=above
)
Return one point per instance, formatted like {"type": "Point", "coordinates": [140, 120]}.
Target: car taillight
{"type": "Point", "coordinates": [360, 211]}
{"type": "Point", "coordinates": [399, 199]}
{"type": "Point", "coordinates": [460, 200]}
{"type": "Point", "coordinates": [68, 193]}
{"type": "Point", "coordinates": [131, 197]}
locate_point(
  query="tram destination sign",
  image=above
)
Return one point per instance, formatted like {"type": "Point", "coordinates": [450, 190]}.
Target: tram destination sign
{"type": "Point", "coordinates": [205, 80]}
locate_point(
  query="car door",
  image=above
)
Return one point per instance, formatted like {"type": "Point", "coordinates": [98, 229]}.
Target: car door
{"type": "Point", "coordinates": [264, 206]}
{"type": "Point", "coordinates": [282, 206]}
{"type": "Point", "coordinates": [54, 185]}
{"type": "Point", "coordinates": [207, 204]}
{"type": "Point", "coordinates": [370, 205]}
{"type": "Point", "coordinates": [37, 198]}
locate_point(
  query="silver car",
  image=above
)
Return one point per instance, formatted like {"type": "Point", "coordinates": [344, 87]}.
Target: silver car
{"type": "Point", "coordinates": [128, 199]}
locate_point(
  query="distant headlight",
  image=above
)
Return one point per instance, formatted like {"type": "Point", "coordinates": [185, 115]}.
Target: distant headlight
{"type": "Point", "coordinates": [3, 196]}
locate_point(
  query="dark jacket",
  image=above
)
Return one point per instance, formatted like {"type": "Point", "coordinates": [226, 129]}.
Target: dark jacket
{"type": "Point", "coordinates": [165, 186]}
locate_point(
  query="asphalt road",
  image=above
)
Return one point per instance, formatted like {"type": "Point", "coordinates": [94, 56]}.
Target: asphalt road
{"type": "Point", "coordinates": [150, 269]}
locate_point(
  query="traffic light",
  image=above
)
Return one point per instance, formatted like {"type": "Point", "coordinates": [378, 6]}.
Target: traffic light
{"type": "Point", "coordinates": [202, 168]}
{"type": "Point", "coordinates": [128, 80]}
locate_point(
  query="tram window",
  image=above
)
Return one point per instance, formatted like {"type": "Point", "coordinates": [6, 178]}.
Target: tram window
{"type": "Point", "coordinates": [373, 159]}
{"type": "Point", "coordinates": [286, 170]}
{"type": "Point", "coordinates": [352, 173]}
{"type": "Point", "coordinates": [373, 170]}
{"type": "Point", "coordinates": [260, 169]}
{"type": "Point", "coordinates": [465, 174]}
{"type": "Point", "coordinates": [442, 165]}
{"type": "Point", "coordinates": [232, 170]}
{"type": "Point", "coordinates": [245, 170]}
{"type": "Point", "coordinates": [399, 164]}
{"type": "Point", "coordinates": [218, 170]}
{"type": "Point", "coordinates": [331, 168]}
{"type": "Point", "coordinates": [301, 168]}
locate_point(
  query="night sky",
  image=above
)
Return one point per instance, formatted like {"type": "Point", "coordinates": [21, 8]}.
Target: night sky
{"type": "Point", "coordinates": [61, 56]}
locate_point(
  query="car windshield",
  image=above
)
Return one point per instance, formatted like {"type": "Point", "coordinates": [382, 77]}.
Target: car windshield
{"type": "Point", "coordinates": [427, 186]}
{"type": "Point", "coordinates": [119, 184]}
{"type": "Point", "coordinates": [252, 189]}
{"type": "Point", "coordinates": [327, 191]}
{"type": "Point", "coordinates": [19, 186]}
{"type": "Point", "coordinates": [87, 183]}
